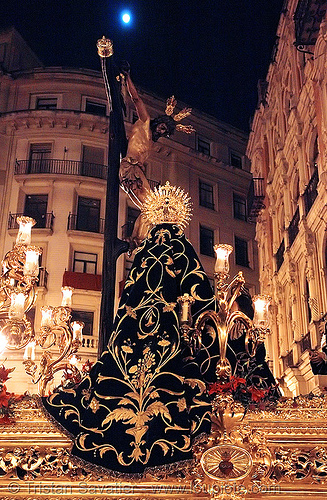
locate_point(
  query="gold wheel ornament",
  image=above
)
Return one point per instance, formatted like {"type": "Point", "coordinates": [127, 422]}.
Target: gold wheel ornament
{"type": "Point", "coordinates": [226, 463]}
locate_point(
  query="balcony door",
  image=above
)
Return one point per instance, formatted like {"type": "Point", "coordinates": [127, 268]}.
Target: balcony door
{"type": "Point", "coordinates": [93, 160]}
{"type": "Point", "coordinates": [36, 206]}
{"type": "Point", "coordinates": [39, 160]}
{"type": "Point", "coordinates": [88, 214]}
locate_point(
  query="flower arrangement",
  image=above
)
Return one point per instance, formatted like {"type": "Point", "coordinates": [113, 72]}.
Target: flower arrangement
{"type": "Point", "coordinates": [72, 376]}
{"type": "Point", "coordinates": [6, 398]}
{"type": "Point", "coordinates": [250, 396]}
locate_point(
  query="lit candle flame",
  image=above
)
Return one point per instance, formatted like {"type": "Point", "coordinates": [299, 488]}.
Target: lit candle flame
{"type": "Point", "coordinates": [67, 293]}
{"type": "Point", "coordinates": [24, 232]}
{"type": "Point", "coordinates": [261, 304]}
{"type": "Point", "coordinates": [222, 254]}
{"type": "Point", "coordinates": [17, 306]}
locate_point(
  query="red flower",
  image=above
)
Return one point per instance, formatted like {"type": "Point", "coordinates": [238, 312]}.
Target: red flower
{"type": "Point", "coordinates": [4, 372]}
{"type": "Point", "coordinates": [86, 368]}
{"type": "Point", "coordinates": [4, 397]}
{"type": "Point", "coordinates": [236, 381]}
{"type": "Point", "coordinates": [222, 388]}
{"type": "Point", "coordinates": [257, 394]}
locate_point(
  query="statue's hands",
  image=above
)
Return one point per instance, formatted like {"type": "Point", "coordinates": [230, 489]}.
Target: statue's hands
{"type": "Point", "coordinates": [125, 68]}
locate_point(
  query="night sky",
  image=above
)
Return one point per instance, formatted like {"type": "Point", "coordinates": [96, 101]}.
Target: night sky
{"type": "Point", "coordinates": [208, 53]}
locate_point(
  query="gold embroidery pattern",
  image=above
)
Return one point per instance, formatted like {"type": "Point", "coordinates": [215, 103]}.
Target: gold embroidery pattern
{"type": "Point", "coordinates": [147, 400]}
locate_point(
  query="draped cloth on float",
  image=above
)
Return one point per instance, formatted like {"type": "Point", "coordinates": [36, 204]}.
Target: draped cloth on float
{"type": "Point", "coordinates": [144, 401]}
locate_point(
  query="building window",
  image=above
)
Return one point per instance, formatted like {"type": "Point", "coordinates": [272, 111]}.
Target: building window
{"type": "Point", "coordinates": [92, 154]}
{"type": "Point", "coordinates": [88, 214]}
{"type": "Point", "coordinates": [39, 158]}
{"type": "Point", "coordinates": [206, 241]}
{"type": "Point", "coordinates": [85, 262]}
{"type": "Point", "coordinates": [206, 195]}
{"type": "Point", "coordinates": [95, 108]}
{"type": "Point", "coordinates": [236, 160]}
{"type": "Point", "coordinates": [203, 146]}
{"type": "Point", "coordinates": [132, 215]}
{"type": "Point", "coordinates": [46, 103]}
{"type": "Point", "coordinates": [36, 207]}
{"type": "Point", "coordinates": [241, 252]}
{"type": "Point", "coordinates": [239, 205]}
{"type": "Point", "coordinates": [87, 318]}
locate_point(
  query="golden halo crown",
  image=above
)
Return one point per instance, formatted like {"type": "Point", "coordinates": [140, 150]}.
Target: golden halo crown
{"type": "Point", "coordinates": [168, 204]}
{"type": "Point", "coordinates": [170, 106]}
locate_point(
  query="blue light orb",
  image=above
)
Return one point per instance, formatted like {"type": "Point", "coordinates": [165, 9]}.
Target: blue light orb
{"type": "Point", "coordinates": [126, 17]}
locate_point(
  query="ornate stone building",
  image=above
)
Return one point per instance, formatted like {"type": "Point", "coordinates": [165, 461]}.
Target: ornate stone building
{"type": "Point", "coordinates": [287, 148]}
{"type": "Point", "coordinates": [54, 149]}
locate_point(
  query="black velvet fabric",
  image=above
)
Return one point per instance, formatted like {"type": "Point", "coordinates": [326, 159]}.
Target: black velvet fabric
{"type": "Point", "coordinates": [144, 401]}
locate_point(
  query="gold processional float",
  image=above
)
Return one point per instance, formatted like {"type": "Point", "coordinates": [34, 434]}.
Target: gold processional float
{"type": "Point", "coordinates": [275, 452]}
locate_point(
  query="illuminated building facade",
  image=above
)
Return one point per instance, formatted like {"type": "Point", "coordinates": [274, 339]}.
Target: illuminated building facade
{"type": "Point", "coordinates": [287, 148]}
{"type": "Point", "coordinates": [54, 150]}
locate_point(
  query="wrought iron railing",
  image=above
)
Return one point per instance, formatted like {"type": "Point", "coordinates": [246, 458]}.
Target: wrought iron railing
{"type": "Point", "coordinates": [280, 255]}
{"type": "Point", "coordinates": [255, 197]}
{"type": "Point", "coordinates": [44, 221]}
{"type": "Point", "coordinates": [311, 192]}
{"type": "Point", "coordinates": [65, 167]}
{"type": "Point", "coordinates": [92, 225]}
{"type": "Point", "coordinates": [293, 228]}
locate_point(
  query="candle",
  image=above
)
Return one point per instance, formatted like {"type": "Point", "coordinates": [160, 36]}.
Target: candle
{"type": "Point", "coordinates": [77, 327]}
{"type": "Point", "coordinates": [73, 360]}
{"type": "Point", "coordinates": [46, 320]}
{"type": "Point", "coordinates": [24, 232]}
{"type": "Point", "coordinates": [67, 293]}
{"type": "Point", "coordinates": [31, 266]}
{"type": "Point", "coordinates": [185, 311]}
{"type": "Point", "coordinates": [17, 306]}
{"type": "Point", "coordinates": [261, 304]}
{"type": "Point", "coordinates": [29, 353]}
{"type": "Point", "coordinates": [222, 254]}
{"type": "Point", "coordinates": [185, 302]}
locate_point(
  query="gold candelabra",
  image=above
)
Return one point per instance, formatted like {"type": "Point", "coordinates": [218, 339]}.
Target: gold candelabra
{"type": "Point", "coordinates": [225, 315]}
{"type": "Point", "coordinates": [18, 281]}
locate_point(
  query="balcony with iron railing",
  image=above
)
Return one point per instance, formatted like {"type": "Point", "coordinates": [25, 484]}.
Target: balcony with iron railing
{"type": "Point", "coordinates": [255, 197]}
{"type": "Point", "coordinates": [44, 221]}
{"type": "Point", "coordinates": [62, 167]}
{"type": "Point", "coordinates": [311, 192]}
{"type": "Point", "coordinates": [293, 228]}
{"type": "Point", "coordinates": [91, 225]}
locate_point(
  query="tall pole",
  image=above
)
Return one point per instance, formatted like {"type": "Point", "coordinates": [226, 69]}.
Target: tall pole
{"type": "Point", "coordinates": [112, 246]}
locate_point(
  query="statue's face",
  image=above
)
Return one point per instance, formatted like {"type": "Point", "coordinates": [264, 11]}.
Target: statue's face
{"type": "Point", "coordinates": [161, 130]}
